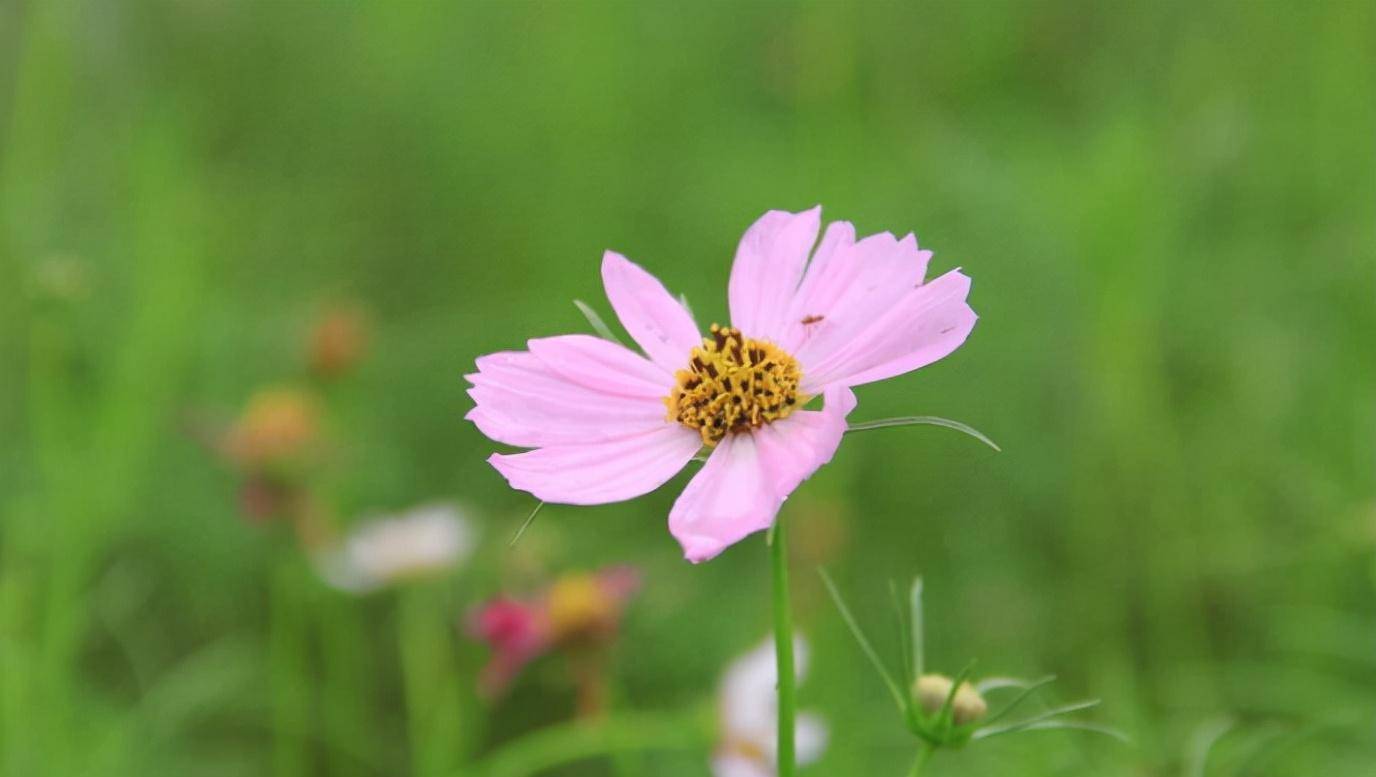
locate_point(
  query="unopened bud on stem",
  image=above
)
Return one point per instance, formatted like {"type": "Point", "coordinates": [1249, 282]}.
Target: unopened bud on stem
{"type": "Point", "coordinates": [967, 706]}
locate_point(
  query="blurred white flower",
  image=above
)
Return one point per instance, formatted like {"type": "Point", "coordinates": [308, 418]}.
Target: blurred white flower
{"type": "Point", "coordinates": [421, 542]}
{"type": "Point", "coordinates": [749, 706]}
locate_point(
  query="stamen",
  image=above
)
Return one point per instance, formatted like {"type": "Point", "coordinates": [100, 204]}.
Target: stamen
{"type": "Point", "coordinates": [734, 384]}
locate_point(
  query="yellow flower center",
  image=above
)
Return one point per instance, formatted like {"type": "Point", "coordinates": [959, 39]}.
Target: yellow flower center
{"type": "Point", "coordinates": [734, 384]}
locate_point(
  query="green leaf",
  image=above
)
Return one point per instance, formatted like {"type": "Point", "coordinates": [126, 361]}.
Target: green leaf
{"type": "Point", "coordinates": [991, 684]}
{"type": "Point", "coordinates": [917, 628]}
{"type": "Point", "coordinates": [905, 634]}
{"type": "Point", "coordinates": [923, 420]}
{"type": "Point", "coordinates": [947, 715]}
{"type": "Point", "coordinates": [1079, 725]}
{"type": "Point", "coordinates": [899, 698]}
{"type": "Point", "coordinates": [1027, 691]}
{"type": "Point", "coordinates": [595, 321]}
{"type": "Point", "coordinates": [1202, 742]}
{"type": "Point", "coordinates": [1023, 725]}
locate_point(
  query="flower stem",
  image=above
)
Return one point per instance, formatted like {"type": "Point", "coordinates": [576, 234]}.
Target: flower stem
{"type": "Point", "coordinates": [436, 720]}
{"type": "Point", "coordinates": [783, 649]}
{"type": "Point", "coordinates": [923, 755]}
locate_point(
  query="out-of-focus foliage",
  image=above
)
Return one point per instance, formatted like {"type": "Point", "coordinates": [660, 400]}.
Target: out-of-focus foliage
{"type": "Point", "coordinates": [1166, 207]}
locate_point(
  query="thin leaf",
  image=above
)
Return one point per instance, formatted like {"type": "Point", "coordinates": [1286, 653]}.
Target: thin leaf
{"type": "Point", "coordinates": [683, 300]}
{"type": "Point", "coordinates": [905, 634]}
{"type": "Point", "coordinates": [1079, 725]}
{"type": "Point", "coordinates": [1023, 725]}
{"type": "Point", "coordinates": [595, 321]}
{"type": "Point", "coordinates": [923, 420]}
{"type": "Point", "coordinates": [526, 525]}
{"type": "Point", "coordinates": [948, 714]}
{"type": "Point", "coordinates": [1202, 742]}
{"type": "Point", "coordinates": [1027, 691]}
{"type": "Point", "coordinates": [917, 628]}
{"type": "Point", "coordinates": [899, 698]}
{"type": "Point", "coordinates": [990, 684]}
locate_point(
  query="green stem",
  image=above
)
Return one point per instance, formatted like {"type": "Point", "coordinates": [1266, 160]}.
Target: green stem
{"type": "Point", "coordinates": [435, 700]}
{"type": "Point", "coordinates": [923, 756]}
{"type": "Point", "coordinates": [345, 692]}
{"type": "Point", "coordinates": [783, 649]}
{"type": "Point", "coordinates": [291, 695]}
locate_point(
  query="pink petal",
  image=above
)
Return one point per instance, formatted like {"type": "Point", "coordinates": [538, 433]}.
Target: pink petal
{"type": "Point", "coordinates": [769, 264]}
{"type": "Point", "coordinates": [795, 447]}
{"type": "Point", "coordinates": [842, 295]}
{"type": "Point", "coordinates": [819, 280]}
{"type": "Point", "coordinates": [748, 476]}
{"type": "Point", "coordinates": [519, 401]}
{"type": "Point", "coordinates": [602, 472]}
{"type": "Point", "coordinates": [928, 323]}
{"type": "Point", "coordinates": [656, 320]}
{"type": "Point", "coordinates": [602, 365]}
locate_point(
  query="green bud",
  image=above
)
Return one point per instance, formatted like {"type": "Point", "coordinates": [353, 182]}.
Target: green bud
{"type": "Point", "coordinates": [932, 690]}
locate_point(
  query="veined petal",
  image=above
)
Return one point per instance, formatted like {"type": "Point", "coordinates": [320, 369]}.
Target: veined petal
{"type": "Point", "coordinates": [727, 500]}
{"type": "Point", "coordinates": [656, 320]}
{"type": "Point", "coordinates": [769, 264]}
{"type": "Point", "coordinates": [519, 401]}
{"type": "Point", "coordinates": [795, 447]}
{"type": "Point", "coordinates": [823, 275]}
{"type": "Point", "coordinates": [841, 297]}
{"type": "Point", "coordinates": [598, 473]}
{"type": "Point", "coordinates": [749, 475]}
{"type": "Point", "coordinates": [602, 365]}
{"type": "Point", "coordinates": [928, 323]}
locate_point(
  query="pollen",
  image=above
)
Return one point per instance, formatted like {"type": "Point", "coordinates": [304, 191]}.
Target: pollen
{"type": "Point", "coordinates": [734, 384]}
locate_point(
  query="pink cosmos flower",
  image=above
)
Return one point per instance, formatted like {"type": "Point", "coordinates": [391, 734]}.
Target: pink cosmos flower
{"type": "Point", "coordinates": [805, 323]}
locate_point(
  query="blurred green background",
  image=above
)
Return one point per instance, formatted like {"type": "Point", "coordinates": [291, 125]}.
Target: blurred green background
{"type": "Point", "coordinates": [1167, 209]}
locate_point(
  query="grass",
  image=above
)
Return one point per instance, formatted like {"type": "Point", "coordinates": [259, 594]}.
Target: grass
{"type": "Point", "coordinates": [1166, 209]}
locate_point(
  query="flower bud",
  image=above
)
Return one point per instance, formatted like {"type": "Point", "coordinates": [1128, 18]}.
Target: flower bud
{"type": "Point", "coordinates": [967, 706]}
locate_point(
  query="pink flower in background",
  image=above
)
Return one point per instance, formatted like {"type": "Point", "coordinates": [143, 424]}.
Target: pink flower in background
{"type": "Point", "coordinates": [516, 632]}
{"type": "Point", "coordinates": [578, 611]}
{"type": "Point", "coordinates": [608, 424]}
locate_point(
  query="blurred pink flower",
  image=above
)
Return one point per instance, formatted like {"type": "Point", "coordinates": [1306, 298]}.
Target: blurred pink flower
{"type": "Point", "coordinates": [579, 610]}
{"type": "Point", "coordinates": [595, 411]}
{"type": "Point", "coordinates": [517, 634]}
